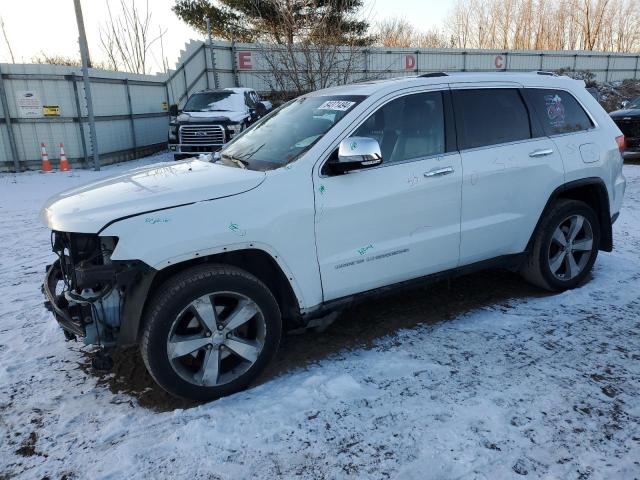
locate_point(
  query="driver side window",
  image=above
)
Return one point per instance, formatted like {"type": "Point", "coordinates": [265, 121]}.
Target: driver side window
{"type": "Point", "coordinates": [408, 127]}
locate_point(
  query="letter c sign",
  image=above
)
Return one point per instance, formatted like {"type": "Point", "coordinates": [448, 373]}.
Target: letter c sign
{"type": "Point", "coordinates": [499, 62]}
{"type": "Point", "coordinates": [410, 61]}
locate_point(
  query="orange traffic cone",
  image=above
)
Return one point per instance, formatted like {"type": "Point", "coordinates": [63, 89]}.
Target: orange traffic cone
{"type": "Point", "coordinates": [46, 164]}
{"type": "Point", "coordinates": [64, 163]}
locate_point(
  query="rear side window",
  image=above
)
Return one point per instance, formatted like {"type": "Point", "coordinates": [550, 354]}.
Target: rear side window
{"type": "Point", "coordinates": [490, 116]}
{"type": "Point", "coordinates": [558, 111]}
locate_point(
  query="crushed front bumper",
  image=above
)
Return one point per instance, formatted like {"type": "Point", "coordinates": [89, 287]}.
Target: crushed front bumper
{"type": "Point", "coordinates": [73, 326]}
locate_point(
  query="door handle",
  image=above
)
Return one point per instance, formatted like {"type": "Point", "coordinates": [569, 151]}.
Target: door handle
{"type": "Point", "coordinates": [541, 153]}
{"type": "Point", "coordinates": [439, 171]}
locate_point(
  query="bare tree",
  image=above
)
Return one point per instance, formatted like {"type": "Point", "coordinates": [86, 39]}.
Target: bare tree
{"type": "Point", "coordinates": [607, 25]}
{"type": "Point", "coordinates": [6, 40]}
{"type": "Point", "coordinates": [311, 51]}
{"type": "Point", "coordinates": [126, 38]}
{"type": "Point", "coordinates": [395, 32]}
{"type": "Point", "coordinates": [45, 58]}
{"type": "Point", "coordinates": [398, 32]}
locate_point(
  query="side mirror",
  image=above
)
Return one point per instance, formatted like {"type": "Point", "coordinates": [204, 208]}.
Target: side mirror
{"type": "Point", "coordinates": [356, 153]}
{"type": "Point", "coordinates": [173, 110]}
{"type": "Point", "coordinates": [624, 104]}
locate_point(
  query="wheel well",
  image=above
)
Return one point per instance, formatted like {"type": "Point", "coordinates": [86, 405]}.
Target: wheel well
{"type": "Point", "coordinates": [593, 193]}
{"type": "Point", "coordinates": [257, 262]}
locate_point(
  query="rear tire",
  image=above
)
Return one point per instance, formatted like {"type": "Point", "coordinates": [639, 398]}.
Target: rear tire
{"type": "Point", "coordinates": [210, 331]}
{"type": "Point", "coordinates": [565, 247]}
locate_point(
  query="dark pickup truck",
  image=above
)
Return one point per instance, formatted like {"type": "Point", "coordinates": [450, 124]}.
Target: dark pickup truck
{"type": "Point", "coordinates": [211, 118]}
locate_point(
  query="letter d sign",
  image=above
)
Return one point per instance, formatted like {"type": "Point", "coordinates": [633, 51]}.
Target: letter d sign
{"type": "Point", "coordinates": [410, 61]}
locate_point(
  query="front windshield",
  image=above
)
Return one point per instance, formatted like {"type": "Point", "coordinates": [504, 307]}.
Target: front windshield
{"type": "Point", "coordinates": [634, 103]}
{"type": "Point", "coordinates": [222, 101]}
{"type": "Point", "coordinates": [285, 134]}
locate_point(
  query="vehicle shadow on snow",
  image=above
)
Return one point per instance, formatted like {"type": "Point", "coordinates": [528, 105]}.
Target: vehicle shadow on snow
{"type": "Point", "coordinates": [356, 327]}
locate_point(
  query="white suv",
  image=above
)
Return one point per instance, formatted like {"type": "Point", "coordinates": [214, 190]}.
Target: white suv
{"type": "Point", "coordinates": [334, 196]}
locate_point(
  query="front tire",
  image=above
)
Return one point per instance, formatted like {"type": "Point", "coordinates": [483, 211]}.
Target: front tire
{"type": "Point", "coordinates": [565, 247]}
{"type": "Point", "coordinates": [210, 331]}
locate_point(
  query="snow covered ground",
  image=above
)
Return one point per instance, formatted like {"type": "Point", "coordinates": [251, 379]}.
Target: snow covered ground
{"type": "Point", "coordinates": [485, 378]}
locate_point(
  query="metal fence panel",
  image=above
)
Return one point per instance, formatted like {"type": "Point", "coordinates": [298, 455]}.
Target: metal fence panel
{"type": "Point", "coordinates": [58, 114]}
{"type": "Point", "coordinates": [131, 109]}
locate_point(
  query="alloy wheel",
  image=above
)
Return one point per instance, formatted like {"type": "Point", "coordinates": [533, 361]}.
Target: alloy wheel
{"type": "Point", "coordinates": [216, 338]}
{"type": "Point", "coordinates": [571, 247]}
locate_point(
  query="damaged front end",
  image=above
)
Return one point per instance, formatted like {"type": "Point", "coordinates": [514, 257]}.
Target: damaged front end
{"type": "Point", "coordinates": [88, 292]}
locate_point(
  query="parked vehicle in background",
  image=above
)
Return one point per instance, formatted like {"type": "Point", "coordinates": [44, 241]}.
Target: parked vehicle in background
{"type": "Point", "coordinates": [211, 118]}
{"type": "Point", "coordinates": [628, 121]}
{"type": "Point", "coordinates": [337, 195]}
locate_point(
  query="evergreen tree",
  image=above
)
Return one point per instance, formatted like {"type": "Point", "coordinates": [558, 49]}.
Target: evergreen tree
{"type": "Point", "coordinates": [279, 21]}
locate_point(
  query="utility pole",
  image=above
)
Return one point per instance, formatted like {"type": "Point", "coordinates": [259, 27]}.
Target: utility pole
{"type": "Point", "coordinates": [213, 57]}
{"type": "Point", "coordinates": [7, 119]}
{"type": "Point", "coordinates": [86, 63]}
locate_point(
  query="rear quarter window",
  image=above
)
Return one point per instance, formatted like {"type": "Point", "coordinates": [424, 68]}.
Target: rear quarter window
{"type": "Point", "coordinates": [558, 111]}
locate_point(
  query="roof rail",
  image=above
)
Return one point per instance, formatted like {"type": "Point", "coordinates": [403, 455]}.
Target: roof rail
{"type": "Point", "coordinates": [549, 74]}
{"type": "Point", "coordinates": [433, 74]}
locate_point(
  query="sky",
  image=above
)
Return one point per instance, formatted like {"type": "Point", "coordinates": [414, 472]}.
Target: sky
{"type": "Point", "coordinates": [35, 26]}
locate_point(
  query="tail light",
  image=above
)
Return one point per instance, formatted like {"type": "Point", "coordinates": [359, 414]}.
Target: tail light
{"type": "Point", "coordinates": [622, 144]}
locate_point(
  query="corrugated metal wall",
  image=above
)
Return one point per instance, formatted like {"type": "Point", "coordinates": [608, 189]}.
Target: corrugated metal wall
{"type": "Point", "coordinates": [246, 63]}
{"type": "Point", "coordinates": [126, 129]}
{"type": "Point", "coordinates": [123, 130]}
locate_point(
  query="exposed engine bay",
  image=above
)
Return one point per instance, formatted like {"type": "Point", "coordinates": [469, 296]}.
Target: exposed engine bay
{"type": "Point", "coordinates": [85, 290]}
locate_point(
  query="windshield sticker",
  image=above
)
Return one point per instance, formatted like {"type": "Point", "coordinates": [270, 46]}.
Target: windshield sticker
{"type": "Point", "coordinates": [339, 105]}
{"type": "Point", "coordinates": [555, 110]}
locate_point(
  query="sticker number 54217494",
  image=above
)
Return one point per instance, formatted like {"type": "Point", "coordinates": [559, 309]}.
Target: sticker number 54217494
{"type": "Point", "coordinates": [340, 105]}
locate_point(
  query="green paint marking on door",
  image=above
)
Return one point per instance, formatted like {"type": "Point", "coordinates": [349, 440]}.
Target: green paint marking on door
{"type": "Point", "coordinates": [364, 250]}
{"type": "Point", "coordinates": [322, 189]}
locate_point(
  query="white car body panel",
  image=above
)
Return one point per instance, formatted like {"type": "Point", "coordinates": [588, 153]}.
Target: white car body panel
{"type": "Point", "coordinates": [88, 208]}
{"type": "Point", "coordinates": [441, 222]}
{"type": "Point", "coordinates": [388, 224]}
{"type": "Point", "coordinates": [503, 194]}
{"type": "Point", "coordinates": [263, 218]}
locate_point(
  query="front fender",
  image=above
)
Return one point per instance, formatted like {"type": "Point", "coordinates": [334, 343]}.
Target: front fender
{"type": "Point", "coordinates": [169, 237]}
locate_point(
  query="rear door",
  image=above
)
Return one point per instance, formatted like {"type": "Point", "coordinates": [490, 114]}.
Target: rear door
{"type": "Point", "coordinates": [510, 169]}
{"type": "Point", "coordinates": [566, 122]}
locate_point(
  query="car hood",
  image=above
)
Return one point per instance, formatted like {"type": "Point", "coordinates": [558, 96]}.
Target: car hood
{"type": "Point", "coordinates": [627, 112]}
{"type": "Point", "coordinates": [87, 209]}
{"type": "Point", "coordinates": [213, 116]}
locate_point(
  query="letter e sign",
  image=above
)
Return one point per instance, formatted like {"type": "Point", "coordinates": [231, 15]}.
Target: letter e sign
{"type": "Point", "coordinates": [244, 61]}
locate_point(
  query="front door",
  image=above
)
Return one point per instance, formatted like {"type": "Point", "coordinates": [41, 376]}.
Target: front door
{"type": "Point", "coordinates": [400, 220]}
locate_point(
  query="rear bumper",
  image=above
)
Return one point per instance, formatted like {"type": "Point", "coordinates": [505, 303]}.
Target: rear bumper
{"type": "Point", "coordinates": [190, 148]}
